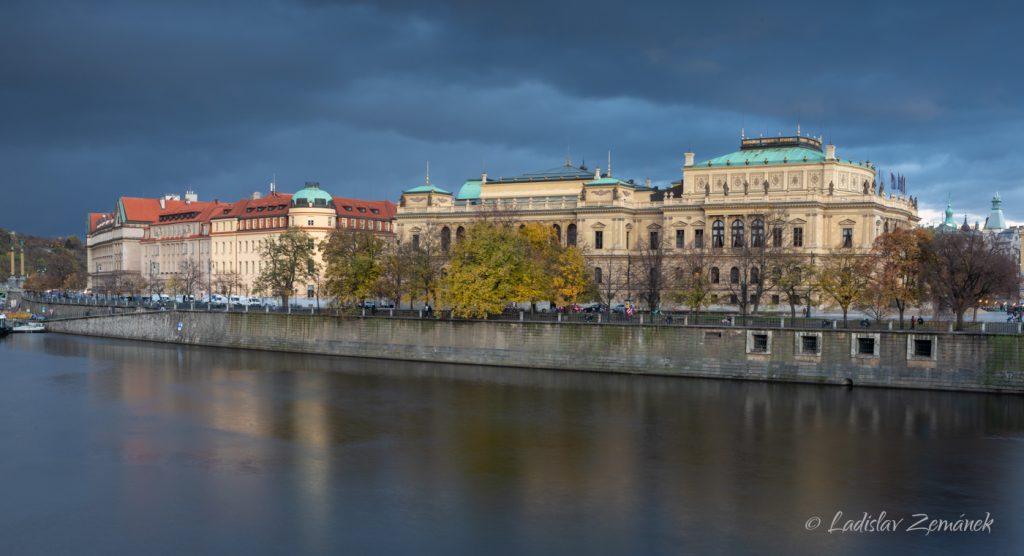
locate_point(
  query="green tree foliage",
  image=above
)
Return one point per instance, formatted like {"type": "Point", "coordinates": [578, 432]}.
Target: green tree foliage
{"type": "Point", "coordinates": [354, 265]}
{"type": "Point", "coordinates": [487, 269]}
{"type": "Point", "coordinates": [286, 260]}
{"type": "Point", "coordinates": [843, 278]}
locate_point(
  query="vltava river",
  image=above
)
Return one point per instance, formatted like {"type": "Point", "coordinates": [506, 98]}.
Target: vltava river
{"type": "Point", "coordinates": [113, 447]}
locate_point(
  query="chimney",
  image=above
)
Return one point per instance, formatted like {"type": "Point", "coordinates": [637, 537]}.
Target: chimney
{"type": "Point", "coordinates": [687, 160]}
{"type": "Point", "coordinates": [483, 178]}
{"type": "Point", "coordinates": [830, 152]}
{"type": "Point", "coordinates": [255, 195]}
{"type": "Point", "coordinates": [163, 203]}
{"type": "Point", "coordinates": [648, 183]}
{"type": "Point", "coordinates": [190, 196]}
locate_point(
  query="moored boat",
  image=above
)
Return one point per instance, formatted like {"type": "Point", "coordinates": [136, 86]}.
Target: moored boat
{"type": "Point", "coordinates": [29, 327]}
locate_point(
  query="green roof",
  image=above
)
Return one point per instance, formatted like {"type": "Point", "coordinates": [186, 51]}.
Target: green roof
{"type": "Point", "coordinates": [429, 188]}
{"type": "Point", "coordinates": [559, 173]}
{"type": "Point", "coordinates": [608, 181]}
{"type": "Point", "coordinates": [469, 190]}
{"type": "Point", "coordinates": [313, 193]}
{"type": "Point", "coordinates": [777, 155]}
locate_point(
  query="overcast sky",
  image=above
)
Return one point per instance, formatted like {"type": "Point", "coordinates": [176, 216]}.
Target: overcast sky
{"type": "Point", "coordinates": [103, 98]}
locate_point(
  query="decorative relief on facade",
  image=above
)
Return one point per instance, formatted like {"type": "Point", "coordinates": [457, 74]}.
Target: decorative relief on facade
{"type": "Point", "coordinates": [602, 193]}
{"type": "Point", "coordinates": [815, 179]}
{"type": "Point", "coordinates": [775, 179]}
{"type": "Point", "coordinates": [720, 184]}
{"type": "Point", "coordinates": [737, 182]}
{"type": "Point", "coordinates": [702, 182]}
{"type": "Point", "coordinates": [417, 199]}
{"type": "Point", "coordinates": [757, 179]}
{"type": "Point", "coordinates": [796, 181]}
{"type": "Point", "coordinates": [844, 179]}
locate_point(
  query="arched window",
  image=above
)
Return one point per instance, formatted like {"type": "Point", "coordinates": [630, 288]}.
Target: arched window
{"type": "Point", "coordinates": [558, 232]}
{"type": "Point", "coordinates": [757, 233]}
{"type": "Point", "coordinates": [460, 233]}
{"type": "Point", "coordinates": [718, 234]}
{"type": "Point", "coordinates": [570, 235]}
{"type": "Point", "coordinates": [715, 275]}
{"type": "Point", "coordinates": [737, 233]}
{"type": "Point", "coordinates": [734, 275]}
{"type": "Point", "coordinates": [446, 238]}
{"type": "Point", "coordinates": [755, 275]}
{"type": "Point", "coordinates": [597, 275]}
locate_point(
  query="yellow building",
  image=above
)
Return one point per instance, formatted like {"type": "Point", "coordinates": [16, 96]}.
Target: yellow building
{"type": "Point", "coordinates": [787, 190]}
{"type": "Point", "coordinates": [151, 239]}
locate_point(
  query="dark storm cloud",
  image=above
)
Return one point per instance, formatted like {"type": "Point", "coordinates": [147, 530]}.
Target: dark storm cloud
{"type": "Point", "coordinates": [103, 98]}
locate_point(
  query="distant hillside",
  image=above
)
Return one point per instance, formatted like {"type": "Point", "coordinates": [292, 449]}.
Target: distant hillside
{"type": "Point", "coordinates": [50, 262]}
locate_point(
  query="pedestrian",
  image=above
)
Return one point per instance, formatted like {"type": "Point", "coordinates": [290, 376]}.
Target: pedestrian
{"type": "Point", "coordinates": [913, 322]}
{"type": "Point", "coordinates": [920, 321]}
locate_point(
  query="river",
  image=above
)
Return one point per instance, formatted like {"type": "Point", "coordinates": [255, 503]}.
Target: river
{"type": "Point", "coordinates": [119, 447]}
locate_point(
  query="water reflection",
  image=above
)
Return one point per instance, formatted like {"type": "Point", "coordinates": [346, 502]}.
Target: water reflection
{"type": "Point", "coordinates": [316, 454]}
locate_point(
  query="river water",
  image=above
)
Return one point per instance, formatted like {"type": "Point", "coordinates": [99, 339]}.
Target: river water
{"type": "Point", "coordinates": [117, 447]}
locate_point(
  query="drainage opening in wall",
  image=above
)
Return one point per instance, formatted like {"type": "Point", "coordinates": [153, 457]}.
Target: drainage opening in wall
{"type": "Point", "coordinates": [848, 382]}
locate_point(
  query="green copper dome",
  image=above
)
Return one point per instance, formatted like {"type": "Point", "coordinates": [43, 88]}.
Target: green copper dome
{"type": "Point", "coordinates": [312, 195]}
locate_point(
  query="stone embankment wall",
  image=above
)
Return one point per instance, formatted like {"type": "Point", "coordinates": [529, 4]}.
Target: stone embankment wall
{"type": "Point", "coordinates": [971, 362]}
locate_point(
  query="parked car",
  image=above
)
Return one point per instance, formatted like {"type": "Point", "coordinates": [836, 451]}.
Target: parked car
{"type": "Point", "coordinates": [619, 308]}
{"type": "Point", "coordinates": [594, 308]}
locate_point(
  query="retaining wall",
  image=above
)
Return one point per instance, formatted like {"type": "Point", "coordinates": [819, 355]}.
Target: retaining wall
{"type": "Point", "coordinates": [960, 361]}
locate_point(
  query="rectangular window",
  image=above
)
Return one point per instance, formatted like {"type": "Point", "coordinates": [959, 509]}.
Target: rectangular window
{"type": "Point", "coordinates": [680, 239]}
{"type": "Point", "coordinates": [654, 240]}
{"type": "Point", "coordinates": [415, 241]}
{"type": "Point", "coordinates": [922, 348]}
{"type": "Point", "coordinates": [760, 343]}
{"type": "Point", "coordinates": [698, 239]}
{"type": "Point", "coordinates": [798, 237]}
{"type": "Point", "coordinates": [775, 300]}
{"type": "Point", "coordinates": [599, 239]}
{"type": "Point", "coordinates": [808, 344]}
{"type": "Point", "coordinates": [847, 237]}
{"type": "Point", "coordinates": [776, 237]}
{"type": "Point", "coordinates": [309, 222]}
{"type": "Point", "coordinates": [866, 346]}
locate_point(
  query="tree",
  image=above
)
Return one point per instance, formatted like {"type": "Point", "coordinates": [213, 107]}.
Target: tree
{"type": "Point", "coordinates": [693, 285]}
{"type": "Point", "coordinates": [353, 260]}
{"type": "Point", "coordinates": [190, 276]}
{"type": "Point", "coordinates": [487, 269]}
{"type": "Point", "coordinates": [571, 280]}
{"type": "Point", "coordinates": [426, 261]}
{"type": "Point", "coordinates": [843, 277]}
{"type": "Point", "coordinates": [651, 271]}
{"type": "Point", "coordinates": [395, 271]}
{"type": "Point", "coordinates": [554, 272]}
{"type": "Point", "coordinates": [228, 282]}
{"type": "Point", "coordinates": [285, 261]}
{"type": "Point", "coordinates": [793, 276]}
{"type": "Point", "coordinates": [898, 261]}
{"type": "Point", "coordinates": [965, 268]}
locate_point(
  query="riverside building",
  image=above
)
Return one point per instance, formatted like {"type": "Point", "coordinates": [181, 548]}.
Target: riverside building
{"type": "Point", "coordinates": [151, 239]}
{"type": "Point", "coordinates": [792, 193]}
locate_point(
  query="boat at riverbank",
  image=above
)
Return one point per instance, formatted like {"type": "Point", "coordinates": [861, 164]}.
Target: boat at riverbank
{"type": "Point", "coordinates": [29, 327]}
{"type": "Point", "coordinates": [4, 330]}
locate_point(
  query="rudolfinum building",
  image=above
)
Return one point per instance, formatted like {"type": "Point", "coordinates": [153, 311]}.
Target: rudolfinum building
{"type": "Point", "coordinates": [787, 193]}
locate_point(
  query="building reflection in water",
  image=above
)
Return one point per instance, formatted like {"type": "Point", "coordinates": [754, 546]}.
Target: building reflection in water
{"type": "Point", "coordinates": [533, 458]}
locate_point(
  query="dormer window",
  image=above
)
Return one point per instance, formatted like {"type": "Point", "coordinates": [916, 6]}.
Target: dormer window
{"type": "Point", "coordinates": [362, 209]}
{"type": "Point", "coordinates": [375, 211]}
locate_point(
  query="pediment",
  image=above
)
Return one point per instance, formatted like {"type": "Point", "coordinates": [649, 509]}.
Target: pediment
{"type": "Point", "coordinates": [654, 227]}
{"type": "Point", "coordinates": [597, 225]}
{"type": "Point", "coordinates": [847, 222]}
{"type": "Point", "coordinates": [798, 221]}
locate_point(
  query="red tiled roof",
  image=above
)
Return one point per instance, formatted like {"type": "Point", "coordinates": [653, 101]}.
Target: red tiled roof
{"type": "Point", "coordinates": [138, 209]}
{"type": "Point", "coordinates": [198, 211]}
{"type": "Point", "coordinates": [273, 204]}
{"type": "Point", "coordinates": [385, 209]}
{"type": "Point", "coordinates": [96, 217]}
